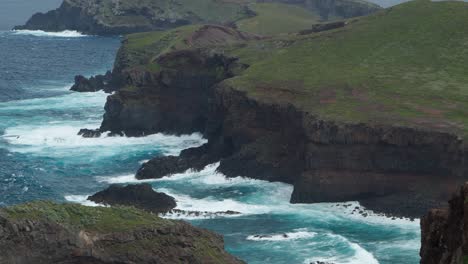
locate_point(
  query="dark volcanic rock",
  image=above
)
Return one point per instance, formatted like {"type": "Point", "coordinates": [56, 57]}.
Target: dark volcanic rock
{"type": "Point", "coordinates": [401, 171]}
{"type": "Point", "coordinates": [444, 233]}
{"type": "Point", "coordinates": [93, 84]}
{"type": "Point", "coordinates": [89, 133]}
{"type": "Point", "coordinates": [193, 158]}
{"type": "Point", "coordinates": [44, 233]}
{"type": "Point", "coordinates": [141, 196]}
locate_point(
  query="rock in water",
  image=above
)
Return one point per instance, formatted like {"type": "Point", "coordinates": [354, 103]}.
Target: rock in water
{"type": "Point", "coordinates": [46, 232]}
{"type": "Point", "coordinates": [444, 233]}
{"type": "Point", "coordinates": [93, 84]}
{"type": "Point", "coordinates": [89, 133]}
{"type": "Point", "coordinates": [141, 196]}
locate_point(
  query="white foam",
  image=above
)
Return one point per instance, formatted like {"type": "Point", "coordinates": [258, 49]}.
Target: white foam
{"type": "Point", "coordinates": [94, 100]}
{"type": "Point", "coordinates": [213, 205]}
{"type": "Point", "coordinates": [129, 178]}
{"type": "Point", "coordinates": [41, 33]}
{"type": "Point", "coordinates": [59, 139]}
{"type": "Point", "coordinates": [360, 255]}
{"type": "Point", "coordinates": [81, 199]}
{"type": "Point", "coordinates": [295, 235]}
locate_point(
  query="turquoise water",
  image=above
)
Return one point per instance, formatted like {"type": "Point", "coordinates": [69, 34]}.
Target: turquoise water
{"type": "Point", "coordinates": [41, 157]}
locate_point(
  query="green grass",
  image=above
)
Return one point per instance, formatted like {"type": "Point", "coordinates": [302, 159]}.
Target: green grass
{"type": "Point", "coordinates": [116, 13]}
{"type": "Point", "coordinates": [98, 219]}
{"type": "Point", "coordinates": [405, 65]}
{"type": "Point", "coordinates": [402, 66]}
{"type": "Point", "coordinates": [275, 18]}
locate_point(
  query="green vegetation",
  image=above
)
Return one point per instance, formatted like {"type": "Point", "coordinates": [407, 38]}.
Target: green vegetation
{"type": "Point", "coordinates": [99, 219]}
{"type": "Point", "coordinates": [144, 12]}
{"type": "Point", "coordinates": [401, 66]}
{"type": "Point", "coordinates": [274, 18]}
{"type": "Point", "coordinates": [404, 65]}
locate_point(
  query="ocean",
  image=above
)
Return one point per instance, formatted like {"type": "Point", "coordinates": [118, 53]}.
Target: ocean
{"type": "Point", "coordinates": [42, 157]}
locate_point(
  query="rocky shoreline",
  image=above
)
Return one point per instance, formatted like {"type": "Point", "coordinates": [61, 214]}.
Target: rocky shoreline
{"type": "Point", "coordinates": [327, 161]}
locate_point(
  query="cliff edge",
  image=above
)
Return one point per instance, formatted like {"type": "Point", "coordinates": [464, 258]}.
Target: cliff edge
{"type": "Point", "coordinates": [110, 17]}
{"type": "Point", "coordinates": [349, 113]}
{"type": "Point", "coordinates": [45, 232]}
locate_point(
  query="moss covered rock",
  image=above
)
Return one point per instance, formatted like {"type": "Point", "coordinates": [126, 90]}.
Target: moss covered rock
{"type": "Point", "coordinates": [46, 232]}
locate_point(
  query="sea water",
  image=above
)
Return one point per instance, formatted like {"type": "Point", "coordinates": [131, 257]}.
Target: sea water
{"type": "Point", "coordinates": [42, 157]}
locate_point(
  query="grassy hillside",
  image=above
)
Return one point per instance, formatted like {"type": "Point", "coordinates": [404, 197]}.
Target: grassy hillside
{"type": "Point", "coordinates": [275, 18]}
{"type": "Point", "coordinates": [405, 65]}
{"type": "Point", "coordinates": [99, 219]}
{"type": "Point", "coordinates": [401, 66]}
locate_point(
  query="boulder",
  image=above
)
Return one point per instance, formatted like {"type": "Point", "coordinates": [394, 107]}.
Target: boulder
{"type": "Point", "coordinates": [141, 196]}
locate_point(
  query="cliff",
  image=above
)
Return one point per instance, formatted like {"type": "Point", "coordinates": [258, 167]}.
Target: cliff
{"type": "Point", "coordinates": [444, 232]}
{"type": "Point", "coordinates": [44, 232]}
{"type": "Point", "coordinates": [351, 113]}
{"type": "Point", "coordinates": [110, 17]}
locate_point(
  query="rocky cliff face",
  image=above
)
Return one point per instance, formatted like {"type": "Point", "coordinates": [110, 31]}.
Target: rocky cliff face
{"type": "Point", "coordinates": [44, 233]}
{"type": "Point", "coordinates": [109, 17]}
{"type": "Point", "coordinates": [444, 232]}
{"type": "Point", "coordinates": [391, 169]}
{"type": "Point", "coordinates": [378, 165]}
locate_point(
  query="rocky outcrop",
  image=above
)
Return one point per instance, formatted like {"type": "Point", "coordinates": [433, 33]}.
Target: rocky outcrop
{"type": "Point", "coordinates": [188, 76]}
{"type": "Point", "coordinates": [43, 233]}
{"type": "Point", "coordinates": [108, 17]}
{"type": "Point", "coordinates": [141, 196]}
{"type": "Point", "coordinates": [444, 232]}
{"type": "Point", "coordinates": [93, 84]}
{"type": "Point", "coordinates": [89, 133]}
{"type": "Point", "coordinates": [326, 161]}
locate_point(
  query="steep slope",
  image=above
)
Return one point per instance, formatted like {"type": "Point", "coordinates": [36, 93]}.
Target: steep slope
{"type": "Point", "coordinates": [109, 17]}
{"type": "Point", "coordinates": [444, 232]}
{"type": "Point", "coordinates": [372, 111]}
{"type": "Point", "coordinates": [45, 232]}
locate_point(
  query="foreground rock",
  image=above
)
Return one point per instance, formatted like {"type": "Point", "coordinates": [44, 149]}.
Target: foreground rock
{"type": "Point", "coordinates": [44, 232]}
{"type": "Point", "coordinates": [141, 196]}
{"type": "Point", "coordinates": [444, 233]}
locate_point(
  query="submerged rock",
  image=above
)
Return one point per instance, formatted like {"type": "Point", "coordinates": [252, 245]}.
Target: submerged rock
{"type": "Point", "coordinates": [141, 196]}
{"type": "Point", "coordinates": [89, 133]}
{"type": "Point", "coordinates": [45, 232]}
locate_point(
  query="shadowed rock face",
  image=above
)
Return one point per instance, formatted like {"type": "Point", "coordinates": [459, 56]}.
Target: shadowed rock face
{"type": "Point", "coordinates": [444, 233]}
{"type": "Point", "coordinates": [141, 196]}
{"type": "Point", "coordinates": [45, 233]}
{"type": "Point", "coordinates": [379, 165]}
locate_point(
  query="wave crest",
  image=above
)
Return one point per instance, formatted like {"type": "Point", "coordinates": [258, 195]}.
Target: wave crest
{"type": "Point", "coordinates": [41, 33]}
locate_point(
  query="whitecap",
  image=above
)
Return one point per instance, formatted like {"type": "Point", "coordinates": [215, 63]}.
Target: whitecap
{"type": "Point", "coordinates": [213, 205]}
{"type": "Point", "coordinates": [41, 33]}
{"type": "Point", "coordinates": [59, 139]}
{"type": "Point", "coordinates": [360, 255]}
{"type": "Point", "coordinates": [81, 199]}
{"type": "Point", "coordinates": [295, 235]}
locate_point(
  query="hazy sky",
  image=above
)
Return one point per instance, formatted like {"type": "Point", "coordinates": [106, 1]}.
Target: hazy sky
{"type": "Point", "coordinates": [16, 12]}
